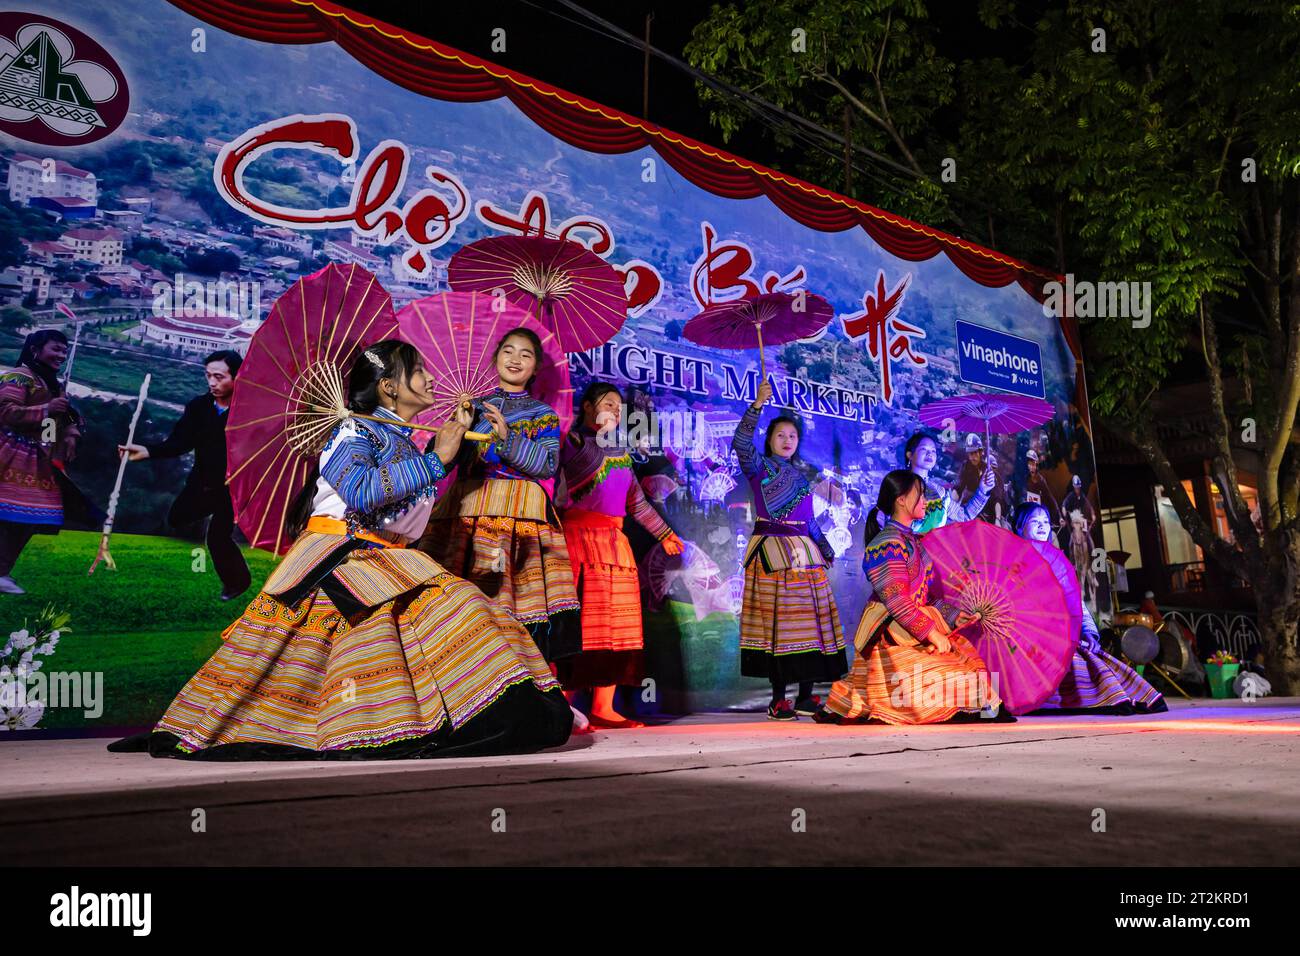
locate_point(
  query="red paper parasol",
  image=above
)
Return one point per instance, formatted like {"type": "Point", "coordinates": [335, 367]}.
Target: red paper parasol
{"type": "Point", "coordinates": [290, 392]}
{"type": "Point", "coordinates": [1025, 634]}
{"type": "Point", "coordinates": [994, 413]}
{"type": "Point", "coordinates": [456, 332]}
{"type": "Point", "coordinates": [772, 318]}
{"type": "Point", "coordinates": [571, 290]}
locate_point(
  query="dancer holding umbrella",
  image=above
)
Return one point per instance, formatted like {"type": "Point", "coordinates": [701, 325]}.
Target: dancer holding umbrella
{"type": "Point", "coordinates": [496, 526]}
{"type": "Point", "coordinates": [602, 490]}
{"type": "Point", "coordinates": [378, 650]}
{"type": "Point", "coordinates": [942, 504]}
{"type": "Point", "coordinates": [789, 625]}
{"type": "Point", "coordinates": [906, 642]}
{"type": "Point", "coordinates": [1096, 682]}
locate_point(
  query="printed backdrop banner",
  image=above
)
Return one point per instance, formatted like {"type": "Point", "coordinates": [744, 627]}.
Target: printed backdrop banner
{"type": "Point", "coordinates": [173, 168]}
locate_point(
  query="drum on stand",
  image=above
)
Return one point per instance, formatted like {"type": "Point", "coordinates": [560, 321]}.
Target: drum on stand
{"type": "Point", "coordinates": [1140, 644]}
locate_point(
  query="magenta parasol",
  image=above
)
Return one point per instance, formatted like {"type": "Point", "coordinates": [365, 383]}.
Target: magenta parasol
{"type": "Point", "coordinates": [1026, 635]}
{"type": "Point", "coordinates": [571, 290]}
{"type": "Point", "coordinates": [1068, 578]}
{"type": "Point", "coordinates": [290, 390]}
{"type": "Point", "coordinates": [772, 318]}
{"type": "Point", "coordinates": [994, 413]}
{"type": "Point", "coordinates": [457, 332]}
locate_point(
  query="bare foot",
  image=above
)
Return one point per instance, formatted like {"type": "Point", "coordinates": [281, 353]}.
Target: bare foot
{"type": "Point", "coordinates": [613, 720]}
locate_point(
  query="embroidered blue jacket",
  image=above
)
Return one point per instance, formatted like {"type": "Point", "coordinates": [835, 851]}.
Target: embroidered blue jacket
{"type": "Point", "coordinates": [378, 471]}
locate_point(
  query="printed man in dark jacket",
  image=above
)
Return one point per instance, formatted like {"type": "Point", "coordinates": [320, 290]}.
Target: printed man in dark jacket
{"type": "Point", "coordinates": [202, 430]}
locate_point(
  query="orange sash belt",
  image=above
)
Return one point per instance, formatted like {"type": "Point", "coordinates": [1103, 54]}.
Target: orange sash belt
{"type": "Point", "coordinates": [325, 525]}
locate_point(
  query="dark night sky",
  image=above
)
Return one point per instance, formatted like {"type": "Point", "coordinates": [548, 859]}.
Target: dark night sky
{"type": "Point", "coordinates": [553, 44]}
{"type": "Point", "coordinates": [554, 47]}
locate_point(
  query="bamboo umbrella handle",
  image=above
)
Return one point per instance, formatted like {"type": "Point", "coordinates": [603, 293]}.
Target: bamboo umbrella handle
{"type": "Point", "coordinates": [470, 436]}
{"type": "Point", "coordinates": [762, 361]}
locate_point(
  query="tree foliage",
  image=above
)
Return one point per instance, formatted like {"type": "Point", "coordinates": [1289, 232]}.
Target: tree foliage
{"type": "Point", "coordinates": [1117, 140]}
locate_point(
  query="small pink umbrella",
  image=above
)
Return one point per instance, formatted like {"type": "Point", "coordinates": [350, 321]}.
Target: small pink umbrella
{"type": "Point", "coordinates": [457, 332]}
{"type": "Point", "coordinates": [772, 318]}
{"type": "Point", "coordinates": [571, 290]}
{"type": "Point", "coordinates": [1026, 634]}
{"type": "Point", "coordinates": [997, 413]}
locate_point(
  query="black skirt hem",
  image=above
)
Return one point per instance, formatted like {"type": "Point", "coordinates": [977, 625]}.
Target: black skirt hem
{"type": "Point", "coordinates": [559, 636]}
{"type": "Point", "coordinates": [794, 668]}
{"type": "Point", "coordinates": [521, 720]}
{"type": "Point", "coordinates": [601, 669]}
{"type": "Point", "coordinates": [1126, 709]}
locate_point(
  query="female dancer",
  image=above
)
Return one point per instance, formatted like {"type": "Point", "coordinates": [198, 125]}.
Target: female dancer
{"type": "Point", "coordinates": [911, 666]}
{"type": "Point", "coordinates": [1096, 682]}
{"type": "Point", "coordinates": [942, 504]}
{"type": "Point", "coordinates": [496, 526]}
{"type": "Point", "coordinates": [789, 625]}
{"type": "Point", "coordinates": [36, 497]}
{"type": "Point", "coordinates": [602, 490]}
{"type": "Point", "coordinates": [359, 646]}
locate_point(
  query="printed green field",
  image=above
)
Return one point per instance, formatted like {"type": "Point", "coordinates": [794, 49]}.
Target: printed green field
{"type": "Point", "coordinates": [155, 586]}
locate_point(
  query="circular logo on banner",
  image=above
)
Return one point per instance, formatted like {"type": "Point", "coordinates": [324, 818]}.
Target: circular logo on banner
{"type": "Point", "coordinates": [58, 87]}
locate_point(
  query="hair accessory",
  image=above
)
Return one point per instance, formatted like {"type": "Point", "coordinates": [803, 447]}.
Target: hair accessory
{"type": "Point", "coordinates": [374, 359]}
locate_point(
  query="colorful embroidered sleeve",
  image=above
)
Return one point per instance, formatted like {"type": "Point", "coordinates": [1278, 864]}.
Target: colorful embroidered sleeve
{"type": "Point", "coordinates": [639, 507]}
{"type": "Point", "coordinates": [536, 455]}
{"type": "Point", "coordinates": [971, 509]}
{"type": "Point", "coordinates": [1090, 636]}
{"type": "Point", "coordinates": [365, 486]}
{"type": "Point", "coordinates": [886, 563]}
{"type": "Point", "coordinates": [581, 459]}
{"type": "Point", "coordinates": [14, 410]}
{"type": "Point", "coordinates": [742, 443]}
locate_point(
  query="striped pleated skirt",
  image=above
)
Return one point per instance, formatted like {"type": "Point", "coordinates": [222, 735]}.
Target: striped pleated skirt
{"type": "Point", "coordinates": [1096, 681]}
{"type": "Point", "coordinates": [901, 683]}
{"type": "Point", "coordinates": [514, 554]}
{"type": "Point", "coordinates": [438, 669]}
{"type": "Point", "coordinates": [789, 625]}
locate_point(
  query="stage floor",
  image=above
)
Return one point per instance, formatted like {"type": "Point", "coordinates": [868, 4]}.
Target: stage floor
{"type": "Point", "coordinates": [1209, 783]}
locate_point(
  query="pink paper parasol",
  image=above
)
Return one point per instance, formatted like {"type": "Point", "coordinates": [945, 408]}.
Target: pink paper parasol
{"type": "Point", "coordinates": [1066, 576]}
{"type": "Point", "coordinates": [291, 390]}
{"type": "Point", "coordinates": [772, 318]}
{"type": "Point", "coordinates": [572, 291]}
{"type": "Point", "coordinates": [994, 413]}
{"type": "Point", "coordinates": [1024, 634]}
{"type": "Point", "coordinates": [457, 332]}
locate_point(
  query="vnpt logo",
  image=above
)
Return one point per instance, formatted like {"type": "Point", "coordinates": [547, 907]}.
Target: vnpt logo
{"type": "Point", "coordinates": [75, 908]}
